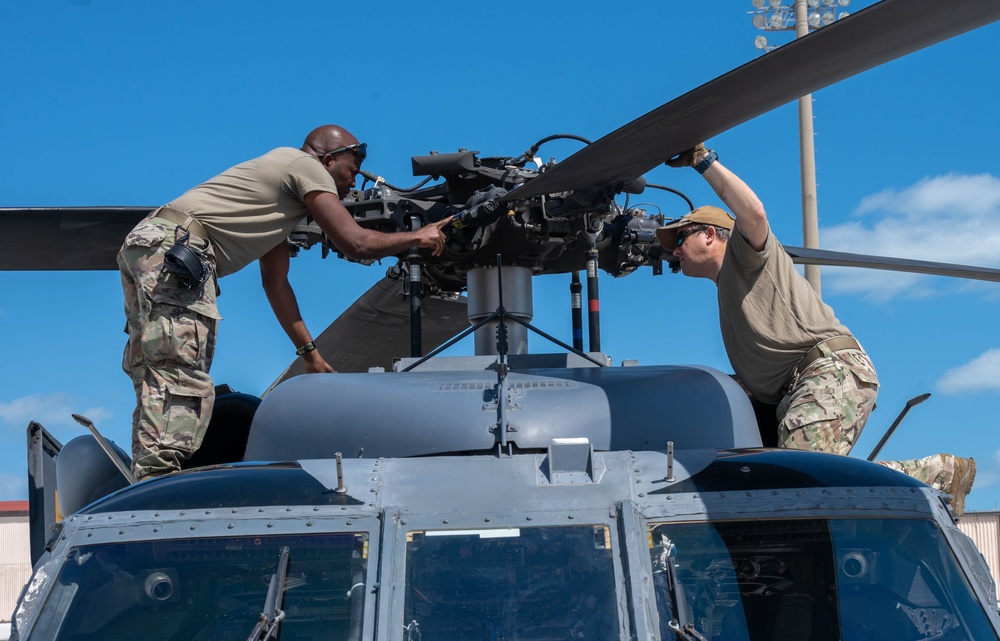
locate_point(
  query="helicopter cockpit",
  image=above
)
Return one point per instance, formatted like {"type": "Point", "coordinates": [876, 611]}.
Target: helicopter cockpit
{"type": "Point", "coordinates": [529, 571]}
{"type": "Point", "coordinates": [836, 579]}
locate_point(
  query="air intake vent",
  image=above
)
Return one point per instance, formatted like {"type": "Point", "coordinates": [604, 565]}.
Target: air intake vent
{"type": "Point", "coordinates": [518, 385]}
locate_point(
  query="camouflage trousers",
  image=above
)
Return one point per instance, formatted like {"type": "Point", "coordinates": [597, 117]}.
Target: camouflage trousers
{"type": "Point", "coordinates": [171, 341]}
{"type": "Point", "coordinates": [828, 406]}
{"type": "Point", "coordinates": [938, 470]}
{"type": "Point", "coordinates": [828, 403]}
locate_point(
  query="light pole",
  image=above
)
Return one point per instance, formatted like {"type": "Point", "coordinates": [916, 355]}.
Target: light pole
{"type": "Point", "coordinates": [801, 16]}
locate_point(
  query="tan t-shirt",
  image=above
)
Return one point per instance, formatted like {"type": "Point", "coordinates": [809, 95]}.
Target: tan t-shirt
{"type": "Point", "coordinates": [252, 207]}
{"type": "Point", "coordinates": [770, 315]}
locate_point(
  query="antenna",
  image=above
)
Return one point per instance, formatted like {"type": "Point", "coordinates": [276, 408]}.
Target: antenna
{"type": "Point", "coordinates": [916, 400]}
{"type": "Point", "coordinates": [86, 422]}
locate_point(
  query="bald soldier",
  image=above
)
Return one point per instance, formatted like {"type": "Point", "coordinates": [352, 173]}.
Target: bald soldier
{"type": "Point", "coordinates": [785, 344]}
{"type": "Point", "coordinates": [170, 262]}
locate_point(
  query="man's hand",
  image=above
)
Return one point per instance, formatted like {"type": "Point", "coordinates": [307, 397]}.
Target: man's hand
{"type": "Point", "coordinates": [316, 364]}
{"type": "Point", "coordinates": [688, 158]}
{"type": "Point", "coordinates": [432, 237]}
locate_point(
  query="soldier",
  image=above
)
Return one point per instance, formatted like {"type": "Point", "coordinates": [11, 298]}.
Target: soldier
{"type": "Point", "coordinates": [784, 343]}
{"type": "Point", "coordinates": [170, 262]}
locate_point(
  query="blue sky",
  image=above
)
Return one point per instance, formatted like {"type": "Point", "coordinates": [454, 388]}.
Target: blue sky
{"type": "Point", "coordinates": [124, 102]}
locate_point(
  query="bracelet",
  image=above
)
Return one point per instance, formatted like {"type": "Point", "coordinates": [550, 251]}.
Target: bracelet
{"type": "Point", "coordinates": [707, 161]}
{"type": "Point", "coordinates": [308, 347]}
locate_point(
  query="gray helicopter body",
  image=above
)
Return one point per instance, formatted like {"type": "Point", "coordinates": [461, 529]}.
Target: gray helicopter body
{"type": "Point", "coordinates": [577, 521]}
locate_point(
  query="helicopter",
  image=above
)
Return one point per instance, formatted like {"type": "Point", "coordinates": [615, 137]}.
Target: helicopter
{"type": "Point", "coordinates": [538, 498]}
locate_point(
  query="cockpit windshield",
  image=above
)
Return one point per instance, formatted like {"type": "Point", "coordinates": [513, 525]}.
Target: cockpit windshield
{"type": "Point", "coordinates": [524, 583]}
{"type": "Point", "coordinates": [207, 589]}
{"type": "Point", "coordinates": [819, 579]}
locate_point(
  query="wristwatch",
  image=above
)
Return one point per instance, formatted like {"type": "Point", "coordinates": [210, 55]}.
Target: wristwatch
{"type": "Point", "coordinates": [707, 161]}
{"type": "Point", "coordinates": [308, 347]}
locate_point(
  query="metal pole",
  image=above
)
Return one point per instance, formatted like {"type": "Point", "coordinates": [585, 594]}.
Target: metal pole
{"type": "Point", "coordinates": [576, 303]}
{"type": "Point", "coordinates": [807, 152]}
{"type": "Point", "coordinates": [593, 302]}
{"type": "Point", "coordinates": [416, 294]}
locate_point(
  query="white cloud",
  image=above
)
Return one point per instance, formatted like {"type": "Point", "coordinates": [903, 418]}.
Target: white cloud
{"type": "Point", "coordinates": [946, 219]}
{"type": "Point", "coordinates": [51, 410]}
{"type": "Point", "coordinates": [952, 194]}
{"type": "Point", "coordinates": [981, 374]}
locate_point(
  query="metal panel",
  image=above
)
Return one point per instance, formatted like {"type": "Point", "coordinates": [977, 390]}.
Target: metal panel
{"type": "Point", "coordinates": [984, 530]}
{"type": "Point", "coordinates": [43, 449]}
{"type": "Point", "coordinates": [15, 562]}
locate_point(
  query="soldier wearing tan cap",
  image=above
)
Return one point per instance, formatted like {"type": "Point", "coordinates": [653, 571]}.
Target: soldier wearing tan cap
{"type": "Point", "coordinates": [785, 344]}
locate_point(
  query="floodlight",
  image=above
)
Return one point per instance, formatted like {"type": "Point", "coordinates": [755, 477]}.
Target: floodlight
{"type": "Point", "coordinates": [774, 3]}
{"type": "Point", "coordinates": [760, 42]}
{"type": "Point", "coordinates": [843, 3]}
{"type": "Point", "coordinates": [812, 3]}
{"type": "Point", "coordinates": [813, 19]}
{"type": "Point", "coordinates": [776, 20]}
{"type": "Point", "coordinates": [759, 4]}
{"type": "Point", "coordinates": [827, 17]}
{"type": "Point", "coordinates": [828, 3]}
{"type": "Point", "coordinates": [759, 21]}
{"type": "Point", "coordinates": [843, 15]}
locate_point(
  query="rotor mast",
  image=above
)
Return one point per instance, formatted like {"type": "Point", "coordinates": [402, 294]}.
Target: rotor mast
{"type": "Point", "coordinates": [484, 299]}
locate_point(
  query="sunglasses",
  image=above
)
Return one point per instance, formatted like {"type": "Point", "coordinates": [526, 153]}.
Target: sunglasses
{"type": "Point", "coordinates": [359, 149]}
{"type": "Point", "coordinates": [682, 236]}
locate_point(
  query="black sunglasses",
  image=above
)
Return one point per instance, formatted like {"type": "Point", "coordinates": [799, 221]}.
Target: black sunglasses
{"type": "Point", "coordinates": [359, 149]}
{"type": "Point", "coordinates": [682, 236]}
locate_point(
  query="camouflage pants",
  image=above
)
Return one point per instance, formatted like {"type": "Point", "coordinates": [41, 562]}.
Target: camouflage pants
{"type": "Point", "coordinates": [171, 341]}
{"type": "Point", "coordinates": [829, 403]}
{"type": "Point", "coordinates": [828, 406]}
{"type": "Point", "coordinates": [938, 470]}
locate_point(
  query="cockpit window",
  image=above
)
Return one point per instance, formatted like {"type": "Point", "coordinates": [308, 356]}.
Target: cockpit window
{"type": "Point", "coordinates": [529, 584]}
{"type": "Point", "coordinates": [208, 589]}
{"type": "Point", "coordinates": [837, 579]}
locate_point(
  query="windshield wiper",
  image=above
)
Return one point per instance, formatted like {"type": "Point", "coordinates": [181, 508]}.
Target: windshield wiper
{"type": "Point", "coordinates": [681, 622]}
{"type": "Point", "coordinates": [272, 615]}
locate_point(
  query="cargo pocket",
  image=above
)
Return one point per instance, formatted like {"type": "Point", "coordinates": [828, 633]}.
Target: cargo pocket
{"type": "Point", "coordinates": [186, 412]}
{"type": "Point", "coordinates": [177, 336]}
{"type": "Point", "coordinates": [860, 367]}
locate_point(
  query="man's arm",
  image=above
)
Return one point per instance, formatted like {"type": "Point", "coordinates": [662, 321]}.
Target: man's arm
{"type": "Point", "coordinates": [751, 220]}
{"type": "Point", "coordinates": [274, 277]}
{"type": "Point", "coordinates": [360, 243]}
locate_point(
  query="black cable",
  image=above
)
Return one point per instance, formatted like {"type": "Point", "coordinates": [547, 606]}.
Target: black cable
{"type": "Point", "coordinates": [673, 191]}
{"type": "Point", "coordinates": [528, 155]}
{"type": "Point", "coordinates": [378, 179]}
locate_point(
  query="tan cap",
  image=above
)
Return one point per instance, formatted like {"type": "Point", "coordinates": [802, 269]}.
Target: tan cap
{"type": "Point", "coordinates": [707, 215]}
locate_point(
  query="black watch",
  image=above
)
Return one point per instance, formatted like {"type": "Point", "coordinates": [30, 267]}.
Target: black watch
{"type": "Point", "coordinates": [707, 161]}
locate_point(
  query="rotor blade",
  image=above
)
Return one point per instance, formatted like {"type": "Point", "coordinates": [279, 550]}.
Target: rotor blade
{"type": "Point", "coordinates": [376, 328]}
{"type": "Point", "coordinates": [50, 238]}
{"type": "Point", "coordinates": [882, 32]}
{"type": "Point", "coordinates": [808, 256]}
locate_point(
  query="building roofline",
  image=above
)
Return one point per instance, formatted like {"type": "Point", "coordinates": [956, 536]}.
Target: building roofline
{"type": "Point", "coordinates": [13, 508]}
